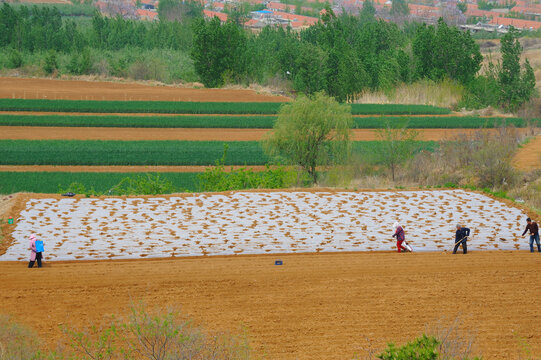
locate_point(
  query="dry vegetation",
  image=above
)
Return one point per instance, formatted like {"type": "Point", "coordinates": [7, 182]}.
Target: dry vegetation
{"type": "Point", "coordinates": [446, 94]}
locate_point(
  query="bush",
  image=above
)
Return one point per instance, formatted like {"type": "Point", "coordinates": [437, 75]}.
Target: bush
{"type": "Point", "coordinates": [481, 159]}
{"type": "Point", "coordinates": [15, 59]}
{"type": "Point", "coordinates": [422, 348]}
{"type": "Point", "coordinates": [51, 63]}
{"type": "Point", "coordinates": [16, 341]}
{"type": "Point", "coordinates": [217, 179]}
{"type": "Point", "coordinates": [148, 184]}
{"type": "Point", "coordinates": [156, 335]}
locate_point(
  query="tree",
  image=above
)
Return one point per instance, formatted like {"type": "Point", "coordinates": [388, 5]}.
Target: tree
{"type": "Point", "coordinates": [310, 74]}
{"type": "Point", "coordinates": [177, 10]}
{"type": "Point", "coordinates": [368, 12]}
{"type": "Point", "coordinates": [50, 62]}
{"type": "Point", "coordinates": [218, 51]}
{"type": "Point", "coordinates": [517, 87]}
{"type": "Point", "coordinates": [311, 132]}
{"type": "Point", "coordinates": [399, 8]}
{"type": "Point", "coordinates": [398, 145]}
{"type": "Point", "coordinates": [445, 52]}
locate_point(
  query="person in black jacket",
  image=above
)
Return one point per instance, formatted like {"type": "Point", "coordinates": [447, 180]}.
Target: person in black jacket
{"type": "Point", "coordinates": [461, 237]}
{"type": "Point", "coordinates": [534, 234]}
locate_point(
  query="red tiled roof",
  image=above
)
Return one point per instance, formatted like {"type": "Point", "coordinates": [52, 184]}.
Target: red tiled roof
{"type": "Point", "coordinates": [280, 7]}
{"type": "Point", "coordinates": [219, 15]}
{"type": "Point", "coordinates": [481, 13]}
{"type": "Point", "coordinates": [146, 14]}
{"type": "Point", "coordinates": [518, 23]}
{"type": "Point", "coordinates": [294, 18]}
{"type": "Point", "coordinates": [526, 10]}
{"type": "Point", "coordinates": [423, 10]}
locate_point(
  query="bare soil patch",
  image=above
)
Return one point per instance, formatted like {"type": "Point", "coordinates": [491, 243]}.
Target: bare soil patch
{"type": "Point", "coordinates": [208, 134]}
{"type": "Point", "coordinates": [317, 306]}
{"type": "Point", "coordinates": [100, 90]}
{"type": "Point", "coordinates": [528, 157]}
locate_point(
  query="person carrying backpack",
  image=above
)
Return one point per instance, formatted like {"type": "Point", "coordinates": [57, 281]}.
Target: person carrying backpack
{"type": "Point", "coordinates": [36, 248]}
{"type": "Point", "coordinates": [461, 237]}
{"type": "Point", "coordinates": [534, 234]}
{"type": "Point", "coordinates": [400, 237]}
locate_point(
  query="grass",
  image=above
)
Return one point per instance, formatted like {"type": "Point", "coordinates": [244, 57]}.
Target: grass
{"type": "Point", "coordinates": [50, 182]}
{"type": "Point", "coordinates": [169, 107]}
{"type": "Point", "coordinates": [250, 122]}
{"type": "Point", "coordinates": [95, 152]}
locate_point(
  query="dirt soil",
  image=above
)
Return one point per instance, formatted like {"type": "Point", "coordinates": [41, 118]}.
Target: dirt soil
{"type": "Point", "coordinates": [96, 133]}
{"type": "Point", "coordinates": [315, 306]}
{"type": "Point", "coordinates": [100, 90]}
{"type": "Point", "coordinates": [529, 156]}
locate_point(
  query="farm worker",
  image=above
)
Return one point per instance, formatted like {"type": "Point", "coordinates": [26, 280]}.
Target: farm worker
{"type": "Point", "coordinates": [461, 237]}
{"type": "Point", "coordinates": [400, 236]}
{"type": "Point", "coordinates": [534, 234]}
{"type": "Point", "coordinates": [35, 253]}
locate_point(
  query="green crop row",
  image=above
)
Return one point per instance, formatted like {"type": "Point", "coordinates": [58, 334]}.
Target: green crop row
{"type": "Point", "coordinates": [51, 182]}
{"type": "Point", "coordinates": [235, 122]}
{"type": "Point", "coordinates": [170, 107]}
{"type": "Point", "coordinates": [93, 152]}
{"type": "Point", "coordinates": [253, 122]}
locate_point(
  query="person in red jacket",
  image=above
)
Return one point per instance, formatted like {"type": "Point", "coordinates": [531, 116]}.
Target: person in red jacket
{"type": "Point", "coordinates": [400, 237]}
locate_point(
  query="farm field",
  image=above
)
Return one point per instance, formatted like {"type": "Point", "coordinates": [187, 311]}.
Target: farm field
{"type": "Point", "coordinates": [251, 122]}
{"type": "Point", "coordinates": [164, 152]}
{"type": "Point", "coordinates": [259, 222]}
{"type": "Point", "coordinates": [51, 180]}
{"type": "Point", "coordinates": [193, 134]}
{"type": "Point", "coordinates": [184, 107]}
{"type": "Point", "coordinates": [529, 156]}
{"type": "Point", "coordinates": [315, 306]}
{"type": "Point", "coordinates": [17, 88]}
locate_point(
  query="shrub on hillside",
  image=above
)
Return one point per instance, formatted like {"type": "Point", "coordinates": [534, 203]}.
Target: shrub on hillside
{"type": "Point", "coordinates": [481, 159]}
{"type": "Point", "coordinates": [156, 335]}
{"type": "Point", "coordinates": [16, 342]}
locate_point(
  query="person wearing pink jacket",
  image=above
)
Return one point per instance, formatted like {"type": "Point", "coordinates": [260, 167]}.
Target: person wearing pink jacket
{"type": "Point", "coordinates": [34, 254]}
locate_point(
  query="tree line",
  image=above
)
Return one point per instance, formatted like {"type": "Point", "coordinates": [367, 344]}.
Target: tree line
{"type": "Point", "coordinates": [341, 55]}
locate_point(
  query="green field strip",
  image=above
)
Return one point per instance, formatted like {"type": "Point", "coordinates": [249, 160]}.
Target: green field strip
{"type": "Point", "coordinates": [256, 122]}
{"type": "Point", "coordinates": [51, 182]}
{"type": "Point", "coordinates": [170, 107]}
{"type": "Point", "coordinates": [96, 152]}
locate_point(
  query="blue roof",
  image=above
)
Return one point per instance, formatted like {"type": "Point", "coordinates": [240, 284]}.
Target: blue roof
{"type": "Point", "coordinates": [264, 12]}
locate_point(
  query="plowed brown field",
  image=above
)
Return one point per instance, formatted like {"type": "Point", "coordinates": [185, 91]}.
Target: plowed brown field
{"type": "Point", "coordinates": [529, 156]}
{"type": "Point", "coordinates": [100, 90]}
{"type": "Point", "coordinates": [313, 307]}
{"type": "Point", "coordinates": [96, 133]}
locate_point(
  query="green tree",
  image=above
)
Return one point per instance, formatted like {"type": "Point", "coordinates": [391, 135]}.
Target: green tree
{"type": "Point", "coordinates": [462, 6]}
{"type": "Point", "coordinates": [399, 8]}
{"type": "Point", "coordinates": [311, 132]}
{"type": "Point", "coordinates": [517, 87]}
{"type": "Point", "coordinates": [218, 51]}
{"type": "Point", "coordinates": [310, 69]}
{"type": "Point", "coordinates": [50, 62]}
{"type": "Point", "coordinates": [445, 51]}
{"type": "Point", "coordinates": [398, 145]}
{"type": "Point", "coordinates": [368, 12]}
{"type": "Point", "coordinates": [181, 11]}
